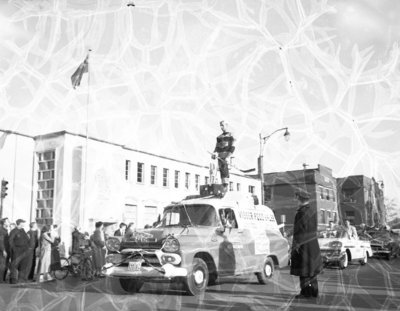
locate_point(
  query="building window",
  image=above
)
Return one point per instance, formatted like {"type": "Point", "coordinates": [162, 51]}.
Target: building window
{"type": "Point", "coordinates": [321, 192]}
{"type": "Point", "coordinates": [153, 175]}
{"type": "Point", "coordinates": [334, 217]}
{"type": "Point", "coordinates": [328, 215]}
{"type": "Point", "coordinates": [327, 194]}
{"type": "Point", "coordinates": [140, 172]}
{"type": "Point", "coordinates": [206, 179]}
{"type": "Point", "coordinates": [165, 177]}
{"type": "Point", "coordinates": [238, 187]}
{"type": "Point", "coordinates": [350, 215]}
{"type": "Point", "coordinates": [333, 196]}
{"type": "Point", "coordinates": [127, 169]}
{"type": "Point", "coordinates": [187, 178]}
{"type": "Point", "coordinates": [176, 180]}
{"type": "Point", "coordinates": [230, 186]}
{"type": "Point", "coordinates": [45, 183]}
{"type": "Point", "coordinates": [197, 181]}
{"type": "Point", "coordinates": [267, 193]}
{"type": "Point", "coordinates": [251, 189]}
{"type": "Point", "coordinates": [322, 216]}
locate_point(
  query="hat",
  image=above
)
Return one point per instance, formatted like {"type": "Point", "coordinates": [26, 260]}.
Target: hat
{"type": "Point", "coordinates": [19, 221]}
{"type": "Point", "coordinates": [98, 224]}
{"type": "Point", "coordinates": [302, 194]}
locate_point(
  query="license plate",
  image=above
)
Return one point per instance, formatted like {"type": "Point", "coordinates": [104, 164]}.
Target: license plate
{"type": "Point", "coordinates": [135, 265]}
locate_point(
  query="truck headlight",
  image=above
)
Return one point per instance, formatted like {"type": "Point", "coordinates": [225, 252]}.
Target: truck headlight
{"type": "Point", "coordinates": [171, 245]}
{"type": "Point", "coordinates": [113, 244]}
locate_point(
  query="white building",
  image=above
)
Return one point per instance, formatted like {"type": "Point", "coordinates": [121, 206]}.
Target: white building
{"type": "Point", "coordinates": [122, 184]}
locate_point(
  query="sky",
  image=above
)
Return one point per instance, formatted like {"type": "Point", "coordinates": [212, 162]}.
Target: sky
{"type": "Point", "coordinates": [164, 73]}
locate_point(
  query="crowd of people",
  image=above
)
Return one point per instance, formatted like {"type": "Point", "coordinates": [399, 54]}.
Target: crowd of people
{"type": "Point", "coordinates": [30, 254]}
{"type": "Point", "coordinates": [27, 254]}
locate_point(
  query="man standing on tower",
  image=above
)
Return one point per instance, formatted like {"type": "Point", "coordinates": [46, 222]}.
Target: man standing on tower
{"type": "Point", "coordinates": [223, 150]}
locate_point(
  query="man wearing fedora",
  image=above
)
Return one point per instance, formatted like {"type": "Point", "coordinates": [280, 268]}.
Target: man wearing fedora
{"type": "Point", "coordinates": [306, 259]}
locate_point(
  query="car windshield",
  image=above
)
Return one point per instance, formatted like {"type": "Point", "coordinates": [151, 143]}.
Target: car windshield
{"type": "Point", "coordinates": [189, 214]}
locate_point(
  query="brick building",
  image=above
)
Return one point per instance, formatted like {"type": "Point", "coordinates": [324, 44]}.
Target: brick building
{"type": "Point", "coordinates": [280, 188]}
{"type": "Point", "coordinates": [361, 200]}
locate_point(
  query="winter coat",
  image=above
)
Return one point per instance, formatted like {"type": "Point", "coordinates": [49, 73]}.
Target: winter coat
{"type": "Point", "coordinates": [305, 256]}
{"type": "Point", "coordinates": [99, 252]}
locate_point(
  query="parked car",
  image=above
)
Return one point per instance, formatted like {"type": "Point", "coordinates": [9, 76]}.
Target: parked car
{"type": "Point", "coordinates": [338, 249]}
{"type": "Point", "coordinates": [199, 240]}
{"type": "Point", "coordinates": [385, 243]}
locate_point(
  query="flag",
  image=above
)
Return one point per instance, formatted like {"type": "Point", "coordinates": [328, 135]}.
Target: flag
{"type": "Point", "coordinates": [77, 76]}
{"type": "Point", "coordinates": [3, 140]}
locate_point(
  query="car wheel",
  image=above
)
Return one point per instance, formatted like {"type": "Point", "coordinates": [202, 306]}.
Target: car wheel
{"type": "Point", "coordinates": [365, 259]}
{"type": "Point", "coordinates": [196, 281]}
{"type": "Point", "coordinates": [131, 285]}
{"type": "Point", "coordinates": [344, 262]}
{"type": "Point", "coordinates": [267, 272]}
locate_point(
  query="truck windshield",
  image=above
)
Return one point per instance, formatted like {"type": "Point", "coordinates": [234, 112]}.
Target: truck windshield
{"type": "Point", "coordinates": [191, 214]}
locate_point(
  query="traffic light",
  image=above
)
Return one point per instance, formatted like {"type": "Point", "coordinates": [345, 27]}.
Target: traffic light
{"type": "Point", "coordinates": [4, 188]}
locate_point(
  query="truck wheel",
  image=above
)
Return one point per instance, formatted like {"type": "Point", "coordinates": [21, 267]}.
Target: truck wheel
{"type": "Point", "coordinates": [212, 279]}
{"type": "Point", "coordinates": [131, 285]}
{"type": "Point", "coordinates": [267, 272]}
{"type": "Point", "coordinates": [344, 262]}
{"type": "Point", "coordinates": [364, 260]}
{"type": "Point", "coordinates": [196, 281]}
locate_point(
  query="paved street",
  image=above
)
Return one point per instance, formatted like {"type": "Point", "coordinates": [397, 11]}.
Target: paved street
{"type": "Point", "coordinates": [375, 286]}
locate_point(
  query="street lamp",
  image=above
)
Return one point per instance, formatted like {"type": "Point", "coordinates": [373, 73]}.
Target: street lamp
{"type": "Point", "coordinates": [263, 140]}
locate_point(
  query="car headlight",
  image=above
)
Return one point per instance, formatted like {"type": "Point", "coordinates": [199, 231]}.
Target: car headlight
{"type": "Point", "coordinates": [171, 245]}
{"type": "Point", "coordinates": [113, 244]}
{"type": "Point", "coordinates": [335, 244]}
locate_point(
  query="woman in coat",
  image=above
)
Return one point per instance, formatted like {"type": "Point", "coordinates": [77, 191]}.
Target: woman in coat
{"type": "Point", "coordinates": [306, 256]}
{"type": "Point", "coordinates": [98, 243]}
{"type": "Point", "coordinates": [46, 241]}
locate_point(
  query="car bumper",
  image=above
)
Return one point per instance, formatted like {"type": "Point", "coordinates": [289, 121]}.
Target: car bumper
{"type": "Point", "coordinates": [331, 258]}
{"type": "Point", "coordinates": [166, 272]}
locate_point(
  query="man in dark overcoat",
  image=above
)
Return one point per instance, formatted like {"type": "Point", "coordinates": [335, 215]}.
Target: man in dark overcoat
{"type": "Point", "coordinates": [19, 245]}
{"type": "Point", "coordinates": [306, 259]}
{"type": "Point", "coordinates": [99, 250]}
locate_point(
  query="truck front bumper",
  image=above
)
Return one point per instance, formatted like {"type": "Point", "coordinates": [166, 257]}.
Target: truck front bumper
{"type": "Point", "coordinates": [166, 271]}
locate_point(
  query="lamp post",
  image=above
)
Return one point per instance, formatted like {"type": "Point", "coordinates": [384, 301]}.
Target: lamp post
{"type": "Point", "coordinates": [263, 140]}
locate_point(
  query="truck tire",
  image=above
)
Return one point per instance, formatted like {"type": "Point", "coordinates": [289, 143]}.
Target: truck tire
{"type": "Point", "coordinates": [344, 262]}
{"type": "Point", "coordinates": [267, 272]}
{"type": "Point", "coordinates": [197, 279]}
{"type": "Point", "coordinates": [131, 285]}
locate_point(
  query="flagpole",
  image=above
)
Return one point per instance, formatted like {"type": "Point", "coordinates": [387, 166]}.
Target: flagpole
{"type": "Point", "coordinates": [86, 142]}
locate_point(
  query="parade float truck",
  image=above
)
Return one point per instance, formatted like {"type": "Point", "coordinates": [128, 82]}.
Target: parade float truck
{"type": "Point", "coordinates": [198, 240]}
{"type": "Point", "coordinates": [340, 250]}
